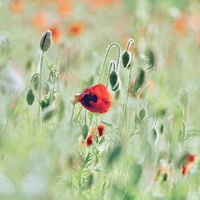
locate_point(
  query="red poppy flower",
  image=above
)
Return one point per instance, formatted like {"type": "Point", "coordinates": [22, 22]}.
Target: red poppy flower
{"type": "Point", "coordinates": [89, 140]}
{"type": "Point", "coordinates": [100, 129]}
{"type": "Point", "coordinates": [187, 162]}
{"type": "Point", "coordinates": [96, 98]}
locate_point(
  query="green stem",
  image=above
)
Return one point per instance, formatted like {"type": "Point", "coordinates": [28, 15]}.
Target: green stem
{"type": "Point", "coordinates": [106, 56]}
{"type": "Point", "coordinates": [72, 113]}
{"type": "Point", "coordinates": [85, 116]}
{"type": "Point", "coordinates": [130, 42]}
{"type": "Point", "coordinates": [40, 87]}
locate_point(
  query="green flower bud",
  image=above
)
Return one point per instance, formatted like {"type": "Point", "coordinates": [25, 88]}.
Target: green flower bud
{"type": "Point", "coordinates": [161, 128]}
{"type": "Point", "coordinates": [142, 113]}
{"type": "Point", "coordinates": [46, 41]}
{"type": "Point", "coordinates": [44, 103]}
{"type": "Point", "coordinates": [35, 81]}
{"type": "Point", "coordinates": [139, 81]}
{"type": "Point", "coordinates": [48, 114]}
{"type": "Point", "coordinates": [84, 131]}
{"type": "Point", "coordinates": [30, 98]}
{"type": "Point", "coordinates": [151, 57]}
{"type": "Point", "coordinates": [114, 81]}
{"type": "Point", "coordinates": [153, 135]}
{"type": "Point", "coordinates": [126, 59]}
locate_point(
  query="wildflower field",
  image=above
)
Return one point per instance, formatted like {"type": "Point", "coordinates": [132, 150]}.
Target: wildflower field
{"type": "Point", "coordinates": [99, 99]}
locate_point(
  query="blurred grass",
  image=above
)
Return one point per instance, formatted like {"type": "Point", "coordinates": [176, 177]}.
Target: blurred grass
{"type": "Point", "coordinates": [49, 162]}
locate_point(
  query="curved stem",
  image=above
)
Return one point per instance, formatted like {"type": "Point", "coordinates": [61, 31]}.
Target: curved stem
{"type": "Point", "coordinates": [40, 86]}
{"type": "Point", "coordinates": [106, 56]}
{"type": "Point", "coordinates": [130, 42]}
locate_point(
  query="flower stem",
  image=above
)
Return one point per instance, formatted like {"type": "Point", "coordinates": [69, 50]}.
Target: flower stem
{"type": "Point", "coordinates": [130, 42]}
{"type": "Point", "coordinates": [106, 56]}
{"type": "Point", "coordinates": [72, 113]}
{"type": "Point", "coordinates": [40, 88]}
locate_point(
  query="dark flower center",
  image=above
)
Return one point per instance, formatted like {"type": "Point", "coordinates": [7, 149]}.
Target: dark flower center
{"type": "Point", "coordinates": [89, 97]}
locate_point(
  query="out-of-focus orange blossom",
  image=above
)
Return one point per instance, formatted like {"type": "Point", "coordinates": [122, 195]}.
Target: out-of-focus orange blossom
{"type": "Point", "coordinates": [77, 28]}
{"type": "Point", "coordinates": [17, 6]}
{"type": "Point", "coordinates": [64, 8]}
{"type": "Point", "coordinates": [40, 21]}
{"type": "Point", "coordinates": [56, 33]}
{"type": "Point", "coordinates": [181, 25]}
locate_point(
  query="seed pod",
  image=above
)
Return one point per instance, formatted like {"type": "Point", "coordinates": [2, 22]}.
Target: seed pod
{"type": "Point", "coordinates": [151, 57]}
{"type": "Point", "coordinates": [161, 128]}
{"type": "Point", "coordinates": [48, 114]}
{"type": "Point", "coordinates": [153, 135]}
{"type": "Point", "coordinates": [126, 59]}
{"type": "Point", "coordinates": [90, 180]}
{"type": "Point", "coordinates": [114, 155]}
{"type": "Point", "coordinates": [115, 81]}
{"type": "Point", "coordinates": [44, 103]}
{"type": "Point", "coordinates": [46, 41]}
{"type": "Point", "coordinates": [30, 98]}
{"type": "Point", "coordinates": [84, 131]}
{"type": "Point", "coordinates": [35, 81]}
{"type": "Point", "coordinates": [165, 177]}
{"type": "Point", "coordinates": [139, 81]}
{"type": "Point", "coordinates": [113, 78]}
{"type": "Point", "coordinates": [142, 113]}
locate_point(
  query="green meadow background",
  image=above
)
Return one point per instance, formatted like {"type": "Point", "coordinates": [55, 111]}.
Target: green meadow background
{"type": "Point", "coordinates": [43, 157]}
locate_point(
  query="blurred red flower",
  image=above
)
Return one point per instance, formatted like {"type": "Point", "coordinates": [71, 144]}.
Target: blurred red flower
{"type": "Point", "coordinates": [96, 98]}
{"type": "Point", "coordinates": [100, 129]}
{"type": "Point", "coordinates": [56, 33]}
{"type": "Point", "coordinates": [89, 140]}
{"type": "Point", "coordinates": [76, 29]}
{"type": "Point", "coordinates": [187, 162]}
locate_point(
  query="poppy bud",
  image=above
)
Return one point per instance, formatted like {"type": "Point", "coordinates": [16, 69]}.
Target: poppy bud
{"type": "Point", "coordinates": [46, 41]}
{"type": "Point", "coordinates": [151, 57]}
{"type": "Point", "coordinates": [35, 81]}
{"type": "Point", "coordinates": [30, 98]}
{"type": "Point", "coordinates": [114, 155]}
{"type": "Point", "coordinates": [153, 135]}
{"type": "Point", "coordinates": [44, 103]}
{"type": "Point", "coordinates": [126, 59]}
{"type": "Point", "coordinates": [48, 114]}
{"type": "Point", "coordinates": [114, 81]}
{"type": "Point", "coordinates": [142, 113]}
{"type": "Point", "coordinates": [139, 81]}
{"type": "Point", "coordinates": [161, 128]}
{"type": "Point", "coordinates": [84, 131]}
